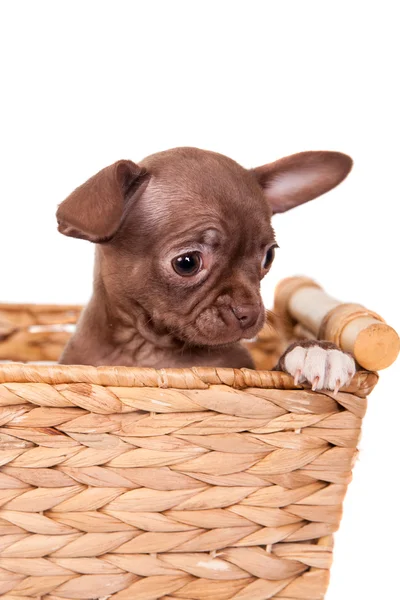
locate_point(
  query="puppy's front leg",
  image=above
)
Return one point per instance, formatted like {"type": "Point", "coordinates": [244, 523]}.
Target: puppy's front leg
{"type": "Point", "coordinates": [322, 364]}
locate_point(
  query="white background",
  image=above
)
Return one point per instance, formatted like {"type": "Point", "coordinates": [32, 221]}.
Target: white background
{"type": "Point", "coordinates": [86, 83]}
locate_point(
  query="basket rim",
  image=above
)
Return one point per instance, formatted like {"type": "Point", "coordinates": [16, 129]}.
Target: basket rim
{"type": "Point", "coordinates": [192, 378]}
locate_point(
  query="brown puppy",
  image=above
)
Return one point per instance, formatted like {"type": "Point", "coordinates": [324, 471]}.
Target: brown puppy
{"type": "Point", "coordinates": [183, 239]}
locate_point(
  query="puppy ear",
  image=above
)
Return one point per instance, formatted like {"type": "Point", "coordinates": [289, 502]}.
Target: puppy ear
{"type": "Point", "coordinates": [95, 209]}
{"type": "Point", "coordinates": [296, 179]}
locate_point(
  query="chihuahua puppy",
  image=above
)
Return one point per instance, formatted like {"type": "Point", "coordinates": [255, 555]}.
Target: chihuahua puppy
{"type": "Point", "coordinates": [183, 239]}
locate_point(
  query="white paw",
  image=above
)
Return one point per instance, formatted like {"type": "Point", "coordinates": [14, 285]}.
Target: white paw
{"type": "Point", "coordinates": [324, 369]}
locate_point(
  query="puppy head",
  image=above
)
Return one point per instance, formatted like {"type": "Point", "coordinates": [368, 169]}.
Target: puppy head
{"type": "Point", "coordinates": [186, 235]}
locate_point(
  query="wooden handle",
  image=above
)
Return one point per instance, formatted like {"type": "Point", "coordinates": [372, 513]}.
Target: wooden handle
{"type": "Point", "coordinates": [374, 344]}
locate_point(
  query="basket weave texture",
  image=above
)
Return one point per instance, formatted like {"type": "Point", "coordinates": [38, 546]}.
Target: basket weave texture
{"type": "Point", "coordinates": [189, 484]}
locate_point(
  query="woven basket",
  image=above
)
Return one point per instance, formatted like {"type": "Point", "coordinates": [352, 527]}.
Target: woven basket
{"type": "Point", "coordinates": [129, 483]}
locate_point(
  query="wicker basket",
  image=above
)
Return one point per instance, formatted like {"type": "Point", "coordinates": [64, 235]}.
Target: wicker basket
{"type": "Point", "coordinates": [202, 484]}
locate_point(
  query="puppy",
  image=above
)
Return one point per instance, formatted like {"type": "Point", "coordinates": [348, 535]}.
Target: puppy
{"type": "Point", "coordinates": [183, 239]}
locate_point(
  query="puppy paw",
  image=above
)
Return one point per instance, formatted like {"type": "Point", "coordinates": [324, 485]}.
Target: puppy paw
{"type": "Point", "coordinates": [321, 364]}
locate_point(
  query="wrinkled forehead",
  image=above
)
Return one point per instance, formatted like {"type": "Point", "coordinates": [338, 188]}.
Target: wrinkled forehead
{"type": "Point", "coordinates": [189, 194]}
{"type": "Point", "coordinates": [190, 208]}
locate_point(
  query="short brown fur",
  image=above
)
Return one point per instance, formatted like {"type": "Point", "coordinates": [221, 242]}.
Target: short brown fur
{"type": "Point", "coordinates": [142, 216]}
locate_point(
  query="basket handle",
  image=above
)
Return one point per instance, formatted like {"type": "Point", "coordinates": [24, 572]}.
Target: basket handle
{"type": "Point", "coordinates": [374, 344]}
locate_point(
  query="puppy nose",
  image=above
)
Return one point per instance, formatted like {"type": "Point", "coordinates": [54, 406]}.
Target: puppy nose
{"type": "Point", "coordinates": [247, 315]}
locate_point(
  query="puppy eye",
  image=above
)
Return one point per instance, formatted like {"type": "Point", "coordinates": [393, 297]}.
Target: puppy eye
{"type": "Point", "coordinates": [269, 257]}
{"type": "Point", "coordinates": [188, 265]}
